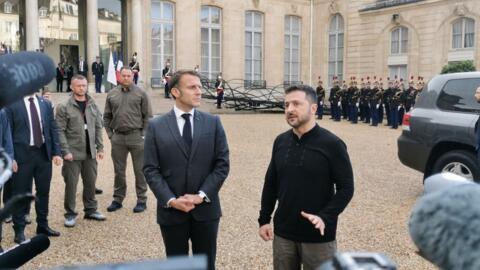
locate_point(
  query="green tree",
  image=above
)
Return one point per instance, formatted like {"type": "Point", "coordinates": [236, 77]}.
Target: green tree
{"type": "Point", "coordinates": [460, 66]}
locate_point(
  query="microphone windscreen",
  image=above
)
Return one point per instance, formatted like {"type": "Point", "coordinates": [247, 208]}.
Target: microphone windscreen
{"type": "Point", "coordinates": [22, 74]}
{"type": "Point", "coordinates": [445, 226]}
{"type": "Point", "coordinates": [19, 255]}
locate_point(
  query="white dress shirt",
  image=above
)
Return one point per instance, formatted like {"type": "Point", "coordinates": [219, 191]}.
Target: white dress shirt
{"type": "Point", "coordinates": [180, 124]}
{"type": "Point", "coordinates": [27, 106]}
{"type": "Point", "coordinates": [181, 120]}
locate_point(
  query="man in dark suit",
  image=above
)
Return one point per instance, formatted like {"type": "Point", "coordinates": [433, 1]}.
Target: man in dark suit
{"type": "Point", "coordinates": [98, 71]}
{"type": "Point", "coordinates": [60, 73]}
{"type": "Point", "coordinates": [186, 162]}
{"type": "Point", "coordinates": [82, 67]}
{"type": "Point", "coordinates": [36, 144]}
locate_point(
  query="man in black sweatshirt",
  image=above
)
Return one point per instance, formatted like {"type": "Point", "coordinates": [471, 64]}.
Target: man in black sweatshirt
{"type": "Point", "coordinates": [310, 175]}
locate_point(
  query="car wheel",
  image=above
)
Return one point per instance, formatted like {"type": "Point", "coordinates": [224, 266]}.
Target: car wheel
{"type": "Point", "coordinates": [460, 162]}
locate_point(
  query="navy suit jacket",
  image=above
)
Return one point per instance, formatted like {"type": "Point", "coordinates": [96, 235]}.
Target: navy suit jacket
{"type": "Point", "coordinates": [171, 172]}
{"type": "Point", "coordinates": [20, 126]}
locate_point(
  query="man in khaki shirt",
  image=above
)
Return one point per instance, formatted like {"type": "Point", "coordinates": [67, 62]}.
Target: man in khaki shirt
{"type": "Point", "coordinates": [79, 122]}
{"type": "Point", "coordinates": [127, 111]}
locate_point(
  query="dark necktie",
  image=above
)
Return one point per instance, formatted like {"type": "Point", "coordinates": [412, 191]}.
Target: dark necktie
{"type": "Point", "coordinates": [36, 130]}
{"type": "Point", "coordinates": [187, 130]}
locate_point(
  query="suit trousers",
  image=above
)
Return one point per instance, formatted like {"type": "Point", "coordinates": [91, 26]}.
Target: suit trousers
{"type": "Point", "coordinates": [98, 83]}
{"type": "Point", "coordinates": [71, 171]}
{"type": "Point", "coordinates": [202, 234]}
{"type": "Point", "coordinates": [291, 255]}
{"type": "Point", "coordinates": [38, 169]}
{"type": "Point", "coordinates": [122, 144]}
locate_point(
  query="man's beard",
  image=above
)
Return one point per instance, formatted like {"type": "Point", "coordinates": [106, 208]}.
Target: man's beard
{"type": "Point", "coordinates": [299, 121]}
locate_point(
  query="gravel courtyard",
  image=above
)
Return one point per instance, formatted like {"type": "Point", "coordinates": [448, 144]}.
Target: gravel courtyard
{"type": "Point", "coordinates": [375, 220]}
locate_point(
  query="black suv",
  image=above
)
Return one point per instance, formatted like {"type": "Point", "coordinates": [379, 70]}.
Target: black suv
{"type": "Point", "coordinates": [439, 133]}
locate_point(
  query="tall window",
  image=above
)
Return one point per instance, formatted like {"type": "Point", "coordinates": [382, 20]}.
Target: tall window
{"type": "Point", "coordinates": [211, 45]}
{"type": "Point", "coordinates": [335, 48]}
{"type": "Point", "coordinates": [253, 45]}
{"type": "Point", "coordinates": [43, 12]}
{"type": "Point", "coordinates": [291, 64]}
{"type": "Point", "coordinates": [399, 44]}
{"type": "Point", "coordinates": [463, 33]}
{"type": "Point", "coordinates": [163, 33]}
{"type": "Point", "coordinates": [7, 7]}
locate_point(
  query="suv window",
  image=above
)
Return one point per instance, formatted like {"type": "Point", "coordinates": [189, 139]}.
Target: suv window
{"type": "Point", "coordinates": [457, 95]}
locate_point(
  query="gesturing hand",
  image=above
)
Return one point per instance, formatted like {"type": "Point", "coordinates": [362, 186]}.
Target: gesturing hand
{"type": "Point", "coordinates": [315, 220]}
{"type": "Point", "coordinates": [266, 232]}
{"type": "Point", "coordinates": [183, 204]}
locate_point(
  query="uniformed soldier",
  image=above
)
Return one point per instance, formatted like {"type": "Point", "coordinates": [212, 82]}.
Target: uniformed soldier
{"type": "Point", "coordinates": [350, 92]}
{"type": "Point", "coordinates": [374, 99]}
{"type": "Point", "coordinates": [344, 99]}
{"type": "Point", "coordinates": [394, 104]}
{"type": "Point", "coordinates": [387, 95]}
{"type": "Point", "coordinates": [367, 96]}
{"type": "Point", "coordinates": [320, 98]}
{"type": "Point", "coordinates": [362, 101]}
{"type": "Point", "coordinates": [411, 94]}
{"type": "Point", "coordinates": [354, 100]}
{"type": "Point", "coordinates": [403, 101]}
{"type": "Point", "coordinates": [334, 99]}
{"type": "Point", "coordinates": [381, 104]}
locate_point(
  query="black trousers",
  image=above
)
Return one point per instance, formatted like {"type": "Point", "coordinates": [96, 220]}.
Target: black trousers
{"type": "Point", "coordinates": [203, 236]}
{"type": "Point", "coordinates": [38, 169]}
{"type": "Point", "coordinates": [59, 85]}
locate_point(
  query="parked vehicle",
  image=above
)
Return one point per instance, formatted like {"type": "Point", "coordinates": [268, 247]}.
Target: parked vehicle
{"type": "Point", "coordinates": [439, 133]}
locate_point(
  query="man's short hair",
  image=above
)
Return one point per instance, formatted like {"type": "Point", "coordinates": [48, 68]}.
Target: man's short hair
{"type": "Point", "coordinates": [78, 77]}
{"type": "Point", "coordinates": [310, 94]}
{"type": "Point", "coordinates": [125, 67]}
{"type": "Point", "coordinates": [177, 76]}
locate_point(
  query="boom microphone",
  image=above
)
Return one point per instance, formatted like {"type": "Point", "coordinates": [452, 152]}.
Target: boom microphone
{"type": "Point", "coordinates": [19, 255]}
{"type": "Point", "coordinates": [445, 226]}
{"type": "Point", "coordinates": [22, 74]}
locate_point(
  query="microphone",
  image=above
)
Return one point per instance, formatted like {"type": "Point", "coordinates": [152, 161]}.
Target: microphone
{"type": "Point", "coordinates": [20, 254]}
{"type": "Point", "coordinates": [22, 74]}
{"type": "Point", "coordinates": [14, 204]}
{"type": "Point", "coordinates": [445, 226]}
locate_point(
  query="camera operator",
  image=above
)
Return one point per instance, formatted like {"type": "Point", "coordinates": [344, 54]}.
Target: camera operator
{"type": "Point", "coordinates": [7, 145]}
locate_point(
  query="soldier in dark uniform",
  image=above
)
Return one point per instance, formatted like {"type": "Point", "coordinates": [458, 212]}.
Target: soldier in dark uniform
{"type": "Point", "coordinates": [344, 100]}
{"type": "Point", "coordinates": [98, 71]}
{"type": "Point", "coordinates": [394, 105]}
{"type": "Point", "coordinates": [354, 101]}
{"type": "Point", "coordinates": [320, 98]}
{"type": "Point", "coordinates": [69, 77]}
{"type": "Point", "coordinates": [367, 97]}
{"type": "Point", "coordinates": [411, 94]}
{"type": "Point", "coordinates": [166, 75]}
{"type": "Point", "coordinates": [350, 92]}
{"type": "Point", "coordinates": [380, 103]}
{"type": "Point", "coordinates": [387, 95]}
{"type": "Point", "coordinates": [374, 99]}
{"type": "Point", "coordinates": [363, 90]}
{"type": "Point", "coordinates": [334, 99]}
{"type": "Point", "coordinates": [403, 101]}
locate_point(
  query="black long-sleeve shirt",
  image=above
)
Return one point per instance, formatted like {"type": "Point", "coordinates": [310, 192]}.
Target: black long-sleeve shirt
{"type": "Point", "coordinates": [311, 174]}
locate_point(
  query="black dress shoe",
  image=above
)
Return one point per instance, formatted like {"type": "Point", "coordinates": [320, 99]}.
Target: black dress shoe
{"type": "Point", "coordinates": [19, 237]}
{"type": "Point", "coordinates": [47, 231]}
{"type": "Point", "coordinates": [140, 207]}
{"type": "Point", "coordinates": [98, 191]}
{"type": "Point", "coordinates": [114, 206]}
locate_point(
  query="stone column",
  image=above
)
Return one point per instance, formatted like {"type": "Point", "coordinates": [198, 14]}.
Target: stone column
{"type": "Point", "coordinates": [136, 35]}
{"type": "Point", "coordinates": [31, 27]}
{"type": "Point", "coordinates": [92, 39]}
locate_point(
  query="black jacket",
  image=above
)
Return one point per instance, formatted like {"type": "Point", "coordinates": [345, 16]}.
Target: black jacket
{"type": "Point", "coordinates": [311, 174]}
{"type": "Point", "coordinates": [171, 171]}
